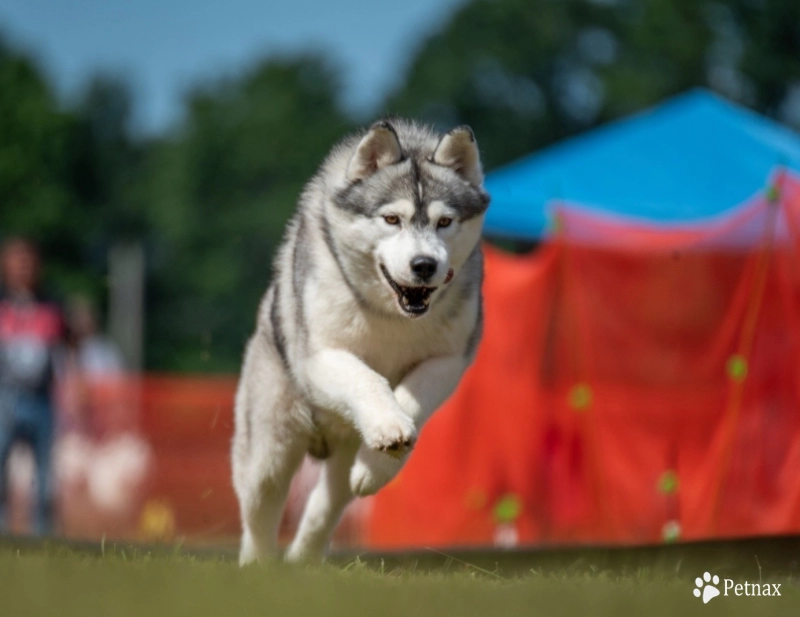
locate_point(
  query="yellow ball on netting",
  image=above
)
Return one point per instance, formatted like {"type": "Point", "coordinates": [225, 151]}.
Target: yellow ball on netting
{"type": "Point", "coordinates": [669, 483]}
{"type": "Point", "coordinates": [580, 397]}
{"type": "Point", "coordinates": [773, 194]}
{"type": "Point", "coordinates": [508, 509]}
{"type": "Point", "coordinates": [737, 367]}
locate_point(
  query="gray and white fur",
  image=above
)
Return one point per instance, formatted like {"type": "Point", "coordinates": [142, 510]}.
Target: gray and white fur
{"type": "Point", "coordinates": [373, 315]}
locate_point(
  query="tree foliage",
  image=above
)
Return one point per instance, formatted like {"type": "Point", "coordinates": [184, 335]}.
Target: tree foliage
{"type": "Point", "coordinates": [525, 73]}
{"type": "Point", "coordinates": [209, 199]}
{"type": "Point", "coordinates": [36, 196]}
{"type": "Point", "coordinates": [220, 192]}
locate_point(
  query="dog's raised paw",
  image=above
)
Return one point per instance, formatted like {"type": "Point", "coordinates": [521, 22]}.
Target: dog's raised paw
{"type": "Point", "coordinates": [397, 446]}
{"type": "Point", "coordinates": [395, 437]}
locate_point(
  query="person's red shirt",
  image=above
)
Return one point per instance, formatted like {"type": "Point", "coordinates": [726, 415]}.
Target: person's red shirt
{"type": "Point", "coordinates": [31, 330]}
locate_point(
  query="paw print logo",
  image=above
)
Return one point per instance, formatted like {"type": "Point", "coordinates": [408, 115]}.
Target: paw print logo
{"type": "Point", "coordinates": [706, 587]}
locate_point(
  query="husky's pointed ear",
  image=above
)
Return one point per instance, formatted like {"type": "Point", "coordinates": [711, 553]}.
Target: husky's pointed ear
{"type": "Point", "coordinates": [378, 148]}
{"type": "Point", "coordinates": [459, 151]}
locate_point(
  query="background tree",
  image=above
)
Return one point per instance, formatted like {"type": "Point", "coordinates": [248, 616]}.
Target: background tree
{"type": "Point", "coordinates": [106, 160]}
{"type": "Point", "coordinates": [36, 196]}
{"type": "Point", "coordinates": [525, 73]}
{"type": "Point", "coordinates": [210, 198]}
{"type": "Point", "coordinates": [220, 192]}
{"type": "Point", "coordinates": [765, 37]}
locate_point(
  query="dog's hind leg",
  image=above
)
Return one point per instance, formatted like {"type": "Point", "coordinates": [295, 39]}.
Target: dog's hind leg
{"type": "Point", "coordinates": [324, 507]}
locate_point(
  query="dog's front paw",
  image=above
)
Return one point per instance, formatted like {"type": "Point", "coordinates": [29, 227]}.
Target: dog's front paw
{"type": "Point", "coordinates": [394, 435]}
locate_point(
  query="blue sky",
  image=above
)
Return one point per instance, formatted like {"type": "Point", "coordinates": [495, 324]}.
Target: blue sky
{"type": "Point", "coordinates": [164, 46]}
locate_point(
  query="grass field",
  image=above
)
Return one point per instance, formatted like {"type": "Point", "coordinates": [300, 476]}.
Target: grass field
{"type": "Point", "coordinates": [121, 581]}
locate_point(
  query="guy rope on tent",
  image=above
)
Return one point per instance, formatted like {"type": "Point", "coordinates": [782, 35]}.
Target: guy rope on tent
{"type": "Point", "coordinates": [737, 365]}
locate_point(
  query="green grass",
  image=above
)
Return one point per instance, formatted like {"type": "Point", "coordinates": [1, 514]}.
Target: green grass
{"type": "Point", "coordinates": [127, 581]}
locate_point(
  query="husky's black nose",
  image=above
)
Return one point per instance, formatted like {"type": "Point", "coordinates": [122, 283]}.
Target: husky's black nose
{"type": "Point", "coordinates": [423, 266]}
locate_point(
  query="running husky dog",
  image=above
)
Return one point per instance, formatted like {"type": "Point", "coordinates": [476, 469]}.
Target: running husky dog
{"type": "Point", "coordinates": [372, 317]}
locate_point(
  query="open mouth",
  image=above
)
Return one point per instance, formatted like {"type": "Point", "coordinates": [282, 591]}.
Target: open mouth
{"type": "Point", "coordinates": [413, 300]}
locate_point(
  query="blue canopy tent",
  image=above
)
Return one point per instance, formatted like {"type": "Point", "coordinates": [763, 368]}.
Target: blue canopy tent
{"type": "Point", "coordinates": [691, 158]}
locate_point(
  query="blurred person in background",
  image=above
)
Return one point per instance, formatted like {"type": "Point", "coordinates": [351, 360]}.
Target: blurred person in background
{"type": "Point", "coordinates": [102, 463]}
{"type": "Point", "coordinates": [91, 360]}
{"type": "Point", "coordinates": [31, 334]}
{"type": "Point", "coordinates": [95, 354]}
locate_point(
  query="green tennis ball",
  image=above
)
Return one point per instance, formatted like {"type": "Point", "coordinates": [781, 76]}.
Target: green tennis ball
{"type": "Point", "coordinates": [508, 509]}
{"type": "Point", "coordinates": [580, 397]}
{"type": "Point", "coordinates": [669, 482]}
{"type": "Point", "coordinates": [737, 367]}
{"type": "Point", "coordinates": [773, 194]}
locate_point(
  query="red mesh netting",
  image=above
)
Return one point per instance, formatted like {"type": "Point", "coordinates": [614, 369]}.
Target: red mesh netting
{"type": "Point", "coordinates": [633, 385]}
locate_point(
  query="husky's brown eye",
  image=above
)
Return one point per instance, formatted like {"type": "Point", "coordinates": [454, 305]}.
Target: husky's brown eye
{"type": "Point", "coordinates": [392, 219]}
{"type": "Point", "coordinates": [444, 222]}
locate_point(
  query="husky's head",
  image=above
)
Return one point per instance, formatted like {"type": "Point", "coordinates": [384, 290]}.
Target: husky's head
{"type": "Point", "coordinates": [414, 205]}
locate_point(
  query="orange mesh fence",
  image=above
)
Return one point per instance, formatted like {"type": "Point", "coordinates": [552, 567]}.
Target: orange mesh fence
{"type": "Point", "coordinates": [150, 461]}
{"type": "Point", "coordinates": [189, 423]}
{"type": "Point", "coordinates": [147, 457]}
{"type": "Point", "coordinates": [634, 385]}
